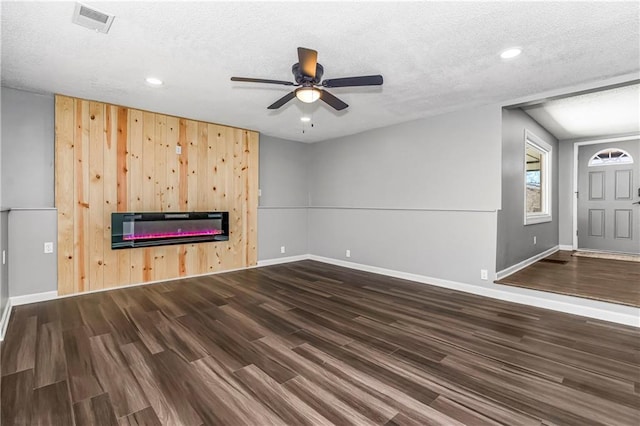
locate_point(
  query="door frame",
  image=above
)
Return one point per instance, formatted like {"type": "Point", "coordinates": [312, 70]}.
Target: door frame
{"type": "Point", "coordinates": [576, 148]}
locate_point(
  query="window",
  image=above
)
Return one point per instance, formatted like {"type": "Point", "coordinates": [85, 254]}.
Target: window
{"type": "Point", "coordinates": [537, 180]}
{"type": "Point", "coordinates": [610, 157]}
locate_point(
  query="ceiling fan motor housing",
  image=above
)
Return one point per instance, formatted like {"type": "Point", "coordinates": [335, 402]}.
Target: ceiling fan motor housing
{"type": "Point", "coordinates": [301, 78]}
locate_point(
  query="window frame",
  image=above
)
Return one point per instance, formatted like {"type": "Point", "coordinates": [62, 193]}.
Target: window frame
{"type": "Point", "coordinates": [546, 163]}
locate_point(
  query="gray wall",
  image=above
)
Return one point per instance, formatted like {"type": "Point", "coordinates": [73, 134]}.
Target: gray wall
{"type": "Point", "coordinates": [515, 240]}
{"type": "Point", "coordinates": [4, 267]}
{"type": "Point", "coordinates": [30, 269]}
{"type": "Point", "coordinates": [420, 197]}
{"type": "Point", "coordinates": [282, 211]}
{"type": "Point", "coordinates": [27, 149]}
{"type": "Point", "coordinates": [448, 162]}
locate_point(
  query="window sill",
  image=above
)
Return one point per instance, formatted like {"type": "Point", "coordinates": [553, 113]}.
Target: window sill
{"type": "Point", "coordinates": [532, 220]}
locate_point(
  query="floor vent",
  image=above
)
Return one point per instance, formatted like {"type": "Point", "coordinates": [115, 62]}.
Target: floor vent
{"type": "Point", "coordinates": [92, 18]}
{"type": "Point", "coordinates": [561, 262]}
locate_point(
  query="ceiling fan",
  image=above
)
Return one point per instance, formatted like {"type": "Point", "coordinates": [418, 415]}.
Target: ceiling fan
{"type": "Point", "coordinates": [307, 73]}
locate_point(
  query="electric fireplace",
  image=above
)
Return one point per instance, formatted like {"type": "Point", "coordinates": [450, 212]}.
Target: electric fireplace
{"type": "Point", "coordinates": [129, 230]}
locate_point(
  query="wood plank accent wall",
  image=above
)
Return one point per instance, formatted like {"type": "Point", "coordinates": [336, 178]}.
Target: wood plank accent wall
{"type": "Point", "coordinates": [111, 158]}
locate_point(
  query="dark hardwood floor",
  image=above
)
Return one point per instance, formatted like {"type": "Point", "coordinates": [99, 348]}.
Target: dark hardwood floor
{"type": "Point", "coordinates": [308, 343]}
{"type": "Point", "coordinates": [614, 281]}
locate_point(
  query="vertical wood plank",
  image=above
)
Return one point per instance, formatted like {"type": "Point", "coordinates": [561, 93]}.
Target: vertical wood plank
{"type": "Point", "coordinates": [81, 198]}
{"type": "Point", "coordinates": [251, 211]}
{"type": "Point", "coordinates": [148, 184]}
{"type": "Point", "coordinates": [173, 197]}
{"type": "Point", "coordinates": [149, 198]}
{"type": "Point", "coordinates": [110, 191]}
{"type": "Point", "coordinates": [219, 188]}
{"type": "Point", "coordinates": [205, 151]}
{"type": "Point", "coordinates": [160, 205]}
{"type": "Point", "coordinates": [238, 252]}
{"type": "Point", "coordinates": [183, 166]}
{"type": "Point", "coordinates": [123, 164]}
{"type": "Point", "coordinates": [96, 195]}
{"type": "Point", "coordinates": [136, 182]}
{"type": "Point", "coordinates": [64, 166]}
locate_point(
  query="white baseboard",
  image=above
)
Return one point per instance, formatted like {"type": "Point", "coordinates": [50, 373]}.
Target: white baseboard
{"type": "Point", "coordinates": [280, 260]}
{"type": "Point", "coordinates": [33, 298]}
{"type": "Point", "coordinates": [565, 247]}
{"type": "Point", "coordinates": [518, 266]}
{"type": "Point", "coordinates": [4, 321]}
{"type": "Point", "coordinates": [619, 314]}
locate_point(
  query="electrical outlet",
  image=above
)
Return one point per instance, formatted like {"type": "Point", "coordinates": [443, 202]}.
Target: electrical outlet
{"type": "Point", "coordinates": [535, 240]}
{"type": "Point", "coordinates": [484, 274]}
{"type": "Point", "coordinates": [48, 247]}
{"type": "Point", "coordinates": [282, 250]}
{"type": "Point", "coordinates": [4, 257]}
{"type": "Point", "coordinates": [259, 192]}
{"type": "Point", "coordinates": [178, 149]}
{"type": "Point", "coordinates": [348, 253]}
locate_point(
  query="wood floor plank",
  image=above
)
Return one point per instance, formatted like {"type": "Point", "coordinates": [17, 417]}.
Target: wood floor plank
{"type": "Point", "coordinates": [21, 354]}
{"type": "Point", "coordinates": [51, 405]}
{"type": "Point", "coordinates": [285, 404]}
{"type": "Point", "coordinates": [114, 377]}
{"type": "Point", "coordinates": [312, 343]}
{"type": "Point", "coordinates": [51, 366]}
{"type": "Point", "coordinates": [16, 398]}
{"type": "Point", "coordinates": [162, 390]}
{"type": "Point", "coordinates": [83, 382]}
{"type": "Point", "coordinates": [146, 417]}
{"type": "Point", "coordinates": [95, 411]}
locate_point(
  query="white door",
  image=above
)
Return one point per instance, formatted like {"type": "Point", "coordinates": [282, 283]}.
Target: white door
{"type": "Point", "coordinates": [608, 195]}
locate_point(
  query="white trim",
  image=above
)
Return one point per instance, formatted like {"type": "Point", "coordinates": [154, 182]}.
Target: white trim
{"type": "Point", "coordinates": [279, 260]}
{"type": "Point", "coordinates": [4, 322]}
{"type": "Point", "coordinates": [521, 265]}
{"type": "Point", "coordinates": [565, 247]}
{"type": "Point", "coordinates": [33, 298]}
{"type": "Point", "coordinates": [546, 164]}
{"type": "Point", "coordinates": [576, 147]}
{"type": "Point", "coordinates": [555, 302]}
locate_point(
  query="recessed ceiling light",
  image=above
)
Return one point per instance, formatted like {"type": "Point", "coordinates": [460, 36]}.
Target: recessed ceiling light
{"type": "Point", "coordinates": [305, 119]}
{"type": "Point", "coordinates": [511, 53]}
{"type": "Point", "coordinates": [154, 81]}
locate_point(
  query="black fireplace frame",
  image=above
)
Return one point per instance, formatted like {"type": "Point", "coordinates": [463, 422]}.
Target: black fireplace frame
{"type": "Point", "coordinates": [118, 221]}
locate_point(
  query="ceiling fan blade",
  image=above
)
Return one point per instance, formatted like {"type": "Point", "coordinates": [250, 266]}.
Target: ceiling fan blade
{"type": "Point", "coordinates": [332, 101]}
{"type": "Point", "coordinates": [262, 80]}
{"type": "Point", "coordinates": [283, 100]}
{"type": "Point", "coordinates": [308, 60]}
{"type": "Point", "coordinates": [365, 80]}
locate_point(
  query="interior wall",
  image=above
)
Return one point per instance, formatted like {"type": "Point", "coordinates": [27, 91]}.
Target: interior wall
{"type": "Point", "coordinates": [282, 210]}
{"type": "Point", "coordinates": [28, 230]}
{"type": "Point", "coordinates": [27, 149]}
{"type": "Point", "coordinates": [515, 240]}
{"type": "Point", "coordinates": [111, 158]}
{"type": "Point", "coordinates": [419, 197]}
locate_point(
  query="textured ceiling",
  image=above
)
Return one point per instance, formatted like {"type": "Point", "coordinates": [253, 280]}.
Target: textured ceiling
{"type": "Point", "coordinates": [602, 113]}
{"type": "Point", "coordinates": [434, 56]}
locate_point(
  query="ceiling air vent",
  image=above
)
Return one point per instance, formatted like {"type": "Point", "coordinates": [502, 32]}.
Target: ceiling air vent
{"type": "Point", "coordinates": [91, 18]}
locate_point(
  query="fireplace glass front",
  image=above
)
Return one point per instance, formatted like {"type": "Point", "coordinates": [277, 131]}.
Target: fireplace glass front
{"type": "Point", "coordinates": [151, 229]}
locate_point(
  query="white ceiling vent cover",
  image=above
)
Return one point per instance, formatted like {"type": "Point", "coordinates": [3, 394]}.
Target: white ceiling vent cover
{"type": "Point", "coordinates": [91, 18]}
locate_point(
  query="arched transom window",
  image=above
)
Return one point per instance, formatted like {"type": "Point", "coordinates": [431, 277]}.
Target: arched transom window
{"type": "Point", "coordinates": [610, 157]}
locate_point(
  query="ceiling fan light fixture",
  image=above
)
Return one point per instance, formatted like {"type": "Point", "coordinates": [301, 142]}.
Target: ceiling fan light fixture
{"type": "Point", "coordinates": [308, 94]}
